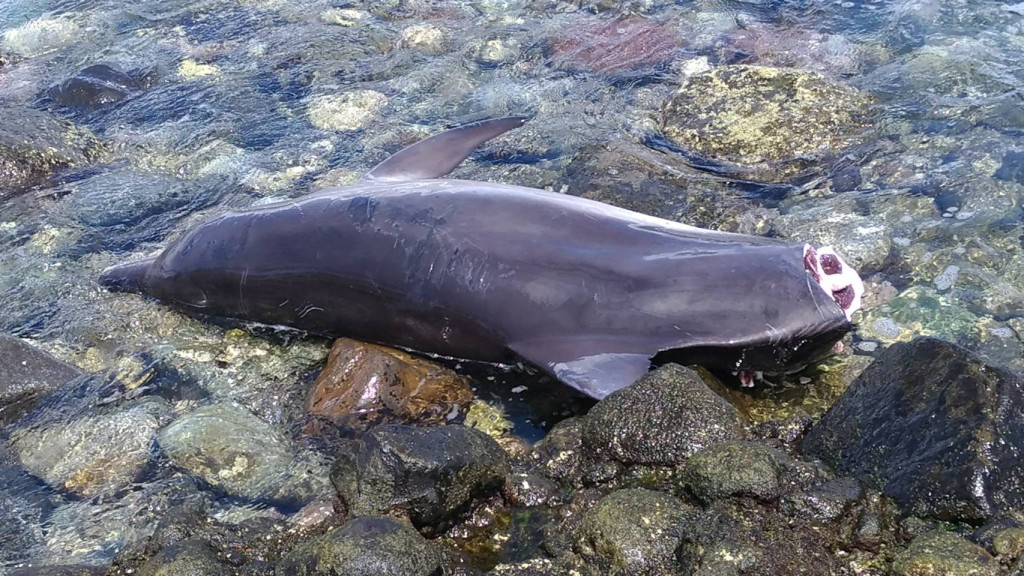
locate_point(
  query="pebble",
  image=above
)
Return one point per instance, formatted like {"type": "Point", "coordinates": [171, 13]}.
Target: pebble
{"type": "Point", "coordinates": [947, 278]}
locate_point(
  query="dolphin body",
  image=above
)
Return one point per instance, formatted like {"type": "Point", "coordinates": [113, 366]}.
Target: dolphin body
{"type": "Point", "coordinates": [587, 292]}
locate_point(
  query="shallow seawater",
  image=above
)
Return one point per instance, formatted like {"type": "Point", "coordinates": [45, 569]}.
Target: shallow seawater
{"type": "Point", "coordinates": [229, 103]}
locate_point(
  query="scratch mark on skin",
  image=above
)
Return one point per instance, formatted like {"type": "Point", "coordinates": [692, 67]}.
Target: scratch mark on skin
{"type": "Point", "coordinates": [241, 292]}
{"type": "Point", "coordinates": [281, 305]}
{"type": "Point", "coordinates": [309, 308]}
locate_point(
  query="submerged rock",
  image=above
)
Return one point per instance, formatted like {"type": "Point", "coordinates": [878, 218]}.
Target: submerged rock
{"type": "Point", "coordinates": [634, 531]}
{"type": "Point", "coordinates": [663, 418]}
{"type": "Point", "coordinates": [934, 428]}
{"type": "Point", "coordinates": [37, 145]}
{"type": "Point", "coordinates": [231, 449]}
{"type": "Point", "coordinates": [346, 112]}
{"type": "Point", "coordinates": [364, 382]}
{"type": "Point", "coordinates": [100, 452]}
{"type": "Point", "coordinates": [622, 48]}
{"type": "Point", "coordinates": [773, 123]}
{"type": "Point", "coordinates": [370, 546]}
{"type": "Point", "coordinates": [429, 474]}
{"type": "Point", "coordinates": [95, 86]}
{"type": "Point", "coordinates": [944, 554]}
{"type": "Point", "coordinates": [26, 373]}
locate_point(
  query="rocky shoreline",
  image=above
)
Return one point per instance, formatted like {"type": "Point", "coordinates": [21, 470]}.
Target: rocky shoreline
{"type": "Point", "coordinates": [913, 471]}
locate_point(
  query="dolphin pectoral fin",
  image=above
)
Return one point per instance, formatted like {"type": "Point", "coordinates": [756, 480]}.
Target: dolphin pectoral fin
{"type": "Point", "coordinates": [438, 155]}
{"type": "Point", "coordinates": [596, 375]}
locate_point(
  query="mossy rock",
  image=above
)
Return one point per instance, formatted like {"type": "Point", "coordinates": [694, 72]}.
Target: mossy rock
{"type": "Point", "coordinates": [772, 123]}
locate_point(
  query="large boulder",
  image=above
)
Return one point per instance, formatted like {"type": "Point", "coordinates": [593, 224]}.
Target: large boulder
{"type": "Point", "coordinates": [370, 546]}
{"type": "Point", "coordinates": [26, 373]}
{"type": "Point", "coordinates": [663, 418]}
{"type": "Point", "coordinates": [38, 144]}
{"type": "Point", "coordinates": [429, 474]}
{"type": "Point", "coordinates": [771, 123]}
{"type": "Point", "coordinates": [934, 428]}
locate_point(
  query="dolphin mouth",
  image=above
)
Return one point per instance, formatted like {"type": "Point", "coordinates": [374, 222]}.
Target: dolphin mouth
{"type": "Point", "coordinates": [837, 278]}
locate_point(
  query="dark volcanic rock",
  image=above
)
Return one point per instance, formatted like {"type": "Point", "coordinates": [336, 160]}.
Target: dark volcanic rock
{"type": "Point", "coordinates": [431, 474]}
{"type": "Point", "coordinates": [735, 469]}
{"type": "Point", "coordinates": [663, 418]}
{"type": "Point", "coordinates": [191, 558]}
{"type": "Point", "coordinates": [95, 86]}
{"type": "Point", "coordinates": [25, 374]}
{"type": "Point", "coordinates": [371, 546]}
{"type": "Point", "coordinates": [942, 553]}
{"type": "Point", "coordinates": [38, 144]}
{"type": "Point", "coordinates": [933, 427]}
{"type": "Point", "coordinates": [634, 531]}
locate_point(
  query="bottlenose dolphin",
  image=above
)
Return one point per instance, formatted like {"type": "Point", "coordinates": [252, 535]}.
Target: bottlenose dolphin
{"type": "Point", "coordinates": [589, 293]}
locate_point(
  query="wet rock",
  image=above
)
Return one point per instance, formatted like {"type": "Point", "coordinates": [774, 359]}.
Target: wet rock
{"type": "Point", "coordinates": [127, 198]}
{"type": "Point", "coordinates": [934, 428]}
{"type": "Point", "coordinates": [624, 47]}
{"type": "Point", "coordinates": [487, 418]}
{"type": "Point", "coordinates": [366, 382]}
{"type": "Point", "coordinates": [37, 145]}
{"type": "Point", "coordinates": [54, 570]}
{"type": "Point", "coordinates": [191, 558]}
{"type": "Point", "coordinates": [943, 554]}
{"type": "Point", "coordinates": [733, 537]}
{"type": "Point", "coordinates": [370, 546]}
{"type": "Point", "coordinates": [425, 38]}
{"type": "Point", "coordinates": [21, 532]}
{"type": "Point", "coordinates": [231, 449]}
{"type": "Point", "coordinates": [634, 531]}
{"type": "Point", "coordinates": [95, 86]}
{"type": "Point", "coordinates": [429, 474]}
{"type": "Point", "coordinates": [102, 451]}
{"type": "Point", "coordinates": [493, 52]}
{"type": "Point", "coordinates": [26, 373]}
{"type": "Point", "coordinates": [560, 454]}
{"type": "Point", "coordinates": [346, 112]}
{"type": "Point", "coordinates": [40, 36]}
{"type": "Point", "coordinates": [734, 469]}
{"type": "Point", "coordinates": [524, 490]}
{"type": "Point", "coordinates": [824, 502]}
{"type": "Point", "coordinates": [774, 123]}
{"type": "Point", "coordinates": [1009, 543]}
{"type": "Point", "coordinates": [663, 418]}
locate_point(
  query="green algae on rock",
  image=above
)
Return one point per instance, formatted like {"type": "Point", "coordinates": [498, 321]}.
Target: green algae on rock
{"type": "Point", "coordinates": [944, 554]}
{"type": "Point", "coordinates": [772, 123]}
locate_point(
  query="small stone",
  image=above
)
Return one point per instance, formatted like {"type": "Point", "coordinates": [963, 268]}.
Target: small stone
{"type": "Point", "coordinates": [346, 112]}
{"type": "Point", "coordinates": [497, 52]}
{"type": "Point", "coordinates": [663, 418]}
{"type": "Point", "coordinates": [1009, 543]}
{"type": "Point", "coordinates": [488, 419]}
{"type": "Point", "coordinates": [369, 546]}
{"type": "Point", "coordinates": [191, 70]}
{"type": "Point", "coordinates": [343, 16]}
{"type": "Point", "coordinates": [191, 557]}
{"type": "Point", "coordinates": [425, 38]}
{"type": "Point", "coordinates": [947, 278]}
{"type": "Point", "coordinates": [944, 554]}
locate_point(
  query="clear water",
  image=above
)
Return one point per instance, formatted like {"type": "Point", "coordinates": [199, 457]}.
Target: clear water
{"type": "Point", "coordinates": [226, 122]}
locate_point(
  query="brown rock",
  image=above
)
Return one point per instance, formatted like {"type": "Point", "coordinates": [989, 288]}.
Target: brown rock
{"type": "Point", "coordinates": [365, 382]}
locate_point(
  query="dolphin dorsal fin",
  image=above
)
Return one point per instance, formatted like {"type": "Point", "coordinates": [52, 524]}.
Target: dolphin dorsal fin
{"type": "Point", "coordinates": [438, 155]}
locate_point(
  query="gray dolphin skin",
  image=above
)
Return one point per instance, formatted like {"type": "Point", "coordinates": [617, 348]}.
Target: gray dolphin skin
{"type": "Point", "coordinates": [589, 293]}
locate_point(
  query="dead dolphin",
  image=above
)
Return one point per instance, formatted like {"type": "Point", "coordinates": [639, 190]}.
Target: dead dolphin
{"type": "Point", "coordinates": [588, 292]}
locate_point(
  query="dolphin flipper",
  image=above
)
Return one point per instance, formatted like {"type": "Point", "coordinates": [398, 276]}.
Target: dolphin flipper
{"type": "Point", "coordinates": [438, 155]}
{"type": "Point", "coordinates": [596, 374]}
